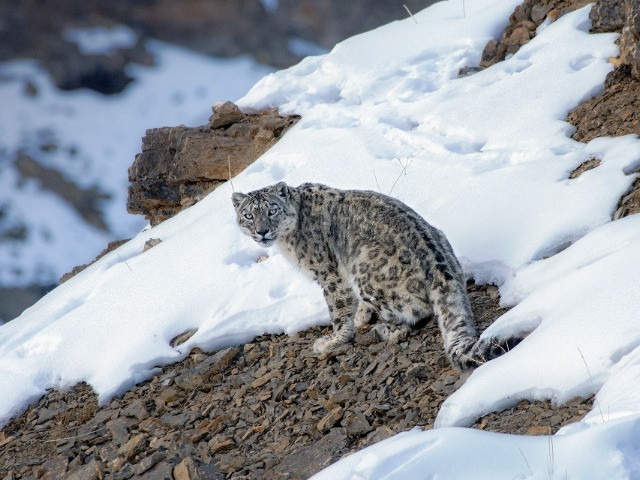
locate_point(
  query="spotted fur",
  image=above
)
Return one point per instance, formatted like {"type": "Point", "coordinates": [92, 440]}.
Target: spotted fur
{"type": "Point", "coordinates": [370, 253]}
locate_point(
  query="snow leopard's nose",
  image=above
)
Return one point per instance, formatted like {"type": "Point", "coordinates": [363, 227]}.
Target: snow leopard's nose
{"type": "Point", "coordinates": [262, 233]}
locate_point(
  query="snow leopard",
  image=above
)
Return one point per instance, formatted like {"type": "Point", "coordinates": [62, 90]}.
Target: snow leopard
{"type": "Point", "coordinates": [372, 255]}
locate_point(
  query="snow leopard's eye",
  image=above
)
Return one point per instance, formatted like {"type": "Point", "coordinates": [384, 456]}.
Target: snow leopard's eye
{"type": "Point", "coordinates": [248, 216]}
{"type": "Point", "coordinates": [272, 211]}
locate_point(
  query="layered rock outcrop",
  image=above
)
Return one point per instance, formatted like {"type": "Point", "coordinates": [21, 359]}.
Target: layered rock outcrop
{"type": "Point", "coordinates": [180, 165]}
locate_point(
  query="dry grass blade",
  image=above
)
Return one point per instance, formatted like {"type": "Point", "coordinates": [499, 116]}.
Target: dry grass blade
{"type": "Point", "coordinates": [410, 14]}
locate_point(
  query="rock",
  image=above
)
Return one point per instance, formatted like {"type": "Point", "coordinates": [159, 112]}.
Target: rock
{"type": "Point", "coordinates": [219, 362]}
{"type": "Point", "coordinates": [468, 71]}
{"type": "Point", "coordinates": [421, 371]}
{"type": "Point", "coordinates": [584, 167]}
{"type": "Point", "coordinates": [189, 381]}
{"type": "Point", "coordinates": [330, 420]}
{"type": "Point", "coordinates": [356, 424]}
{"type": "Point", "coordinates": [55, 468]}
{"type": "Point", "coordinates": [607, 16]}
{"type": "Point", "coordinates": [268, 432]}
{"type": "Point", "coordinates": [161, 471]}
{"type": "Point", "coordinates": [178, 165]}
{"type": "Point", "coordinates": [523, 23]}
{"type": "Point", "coordinates": [311, 459]}
{"type": "Point", "coordinates": [612, 113]}
{"type": "Point", "coordinates": [136, 409]}
{"type": "Point", "coordinates": [190, 469]}
{"type": "Point", "coordinates": [91, 471]}
{"type": "Point", "coordinates": [148, 463]}
{"type": "Point", "coordinates": [152, 242]}
{"type": "Point", "coordinates": [168, 395]}
{"type": "Point", "coordinates": [224, 115]}
{"type": "Point", "coordinates": [134, 446]}
{"type": "Point", "coordinates": [124, 473]}
{"type": "Point", "coordinates": [181, 338]}
{"type": "Point", "coordinates": [218, 446]}
{"type": "Point", "coordinates": [180, 419]}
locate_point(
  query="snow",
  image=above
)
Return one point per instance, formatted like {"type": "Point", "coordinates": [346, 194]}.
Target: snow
{"type": "Point", "coordinates": [101, 40]}
{"type": "Point", "coordinates": [97, 137]}
{"type": "Point", "coordinates": [485, 158]}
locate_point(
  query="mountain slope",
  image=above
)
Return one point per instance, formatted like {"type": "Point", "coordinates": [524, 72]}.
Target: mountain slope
{"type": "Point", "coordinates": [386, 111]}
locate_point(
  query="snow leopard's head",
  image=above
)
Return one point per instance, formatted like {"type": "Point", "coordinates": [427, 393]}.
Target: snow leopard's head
{"type": "Point", "coordinates": [266, 214]}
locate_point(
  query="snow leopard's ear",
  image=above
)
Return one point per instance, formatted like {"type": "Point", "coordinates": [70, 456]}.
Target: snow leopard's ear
{"type": "Point", "coordinates": [281, 189]}
{"type": "Point", "coordinates": [237, 198]}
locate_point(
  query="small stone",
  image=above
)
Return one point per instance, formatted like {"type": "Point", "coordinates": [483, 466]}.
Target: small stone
{"type": "Point", "coordinates": [183, 337]}
{"type": "Point", "coordinates": [220, 361]}
{"type": "Point", "coordinates": [186, 470]}
{"type": "Point", "coordinates": [263, 380]}
{"type": "Point", "coordinates": [539, 430]}
{"type": "Point", "coordinates": [91, 471]}
{"type": "Point", "coordinates": [179, 420]}
{"type": "Point", "coordinates": [356, 424]}
{"type": "Point", "coordinates": [6, 440]}
{"type": "Point", "coordinates": [133, 447]}
{"type": "Point", "coordinates": [152, 242]}
{"type": "Point", "coordinates": [330, 420]}
{"type": "Point", "coordinates": [168, 395]}
{"type": "Point", "coordinates": [148, 463]}
{"type": "Point", "coordinates": [55, 468]}
{"type": "Point", "coordinates": [125, 473]}
{"type": "Point", "coordinates": [119, 429]}
{"type": "Point", "coordinates": [137, 409]}
{"type": "Point", "coordinates": [160, 471]}
{"type": "Point", "coordinates": [217, 446]}
{"type": "Point", "coordinates": [117, 464]}
{"type": "Point", "coordinates": [337, 399]}
{"type": "Point", "coordinates": [189, 381]}
{"type": "Point", "coordinates": [519, 36]}
{"type": "Point", "coordinates": [421, 371]}
{"type": "Point", "coordinates": [225, 114]}
{"type": "Point", "coordinates": [539, 12]}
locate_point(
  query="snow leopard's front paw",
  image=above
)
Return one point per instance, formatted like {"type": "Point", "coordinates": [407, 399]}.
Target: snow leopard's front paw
{"type": "Point", "coordinates": [326, 344]}
{"type": "Point", "coordinates": [363, 315]}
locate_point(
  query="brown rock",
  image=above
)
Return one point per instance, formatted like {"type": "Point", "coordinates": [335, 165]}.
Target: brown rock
{"type": "Point", "coordinates": [179, 165]}
{"type": "Point", "coordinates": [539, 430]}
{"type": "Point", "coordinates": [181, 338]}
{"type": "Point", "coordinates": [356, 424]}
{"type": "Point", "coordinates": [55, 468]}
{"type": "Point", "coordinates": [186, 470]}
{"type": "Point", "coordinates": [152, 242]}
{"type": "Point", "coordinates": [330, 420]}
{"type": "Point", "coordinates": [308, 460]}
{"type": "Point", "coordinates": [224, 115]}
{"type": "Point", "coordinates": [607, 16]}
{"type": "Point", "coordinates": [137, 409]}
{"type": "Point", "coordinates": [148, 463]}
{"type": "Point", "coordinates": [134, 446]}
{"type": "Point", "coordinates": [218, 446]}
{"type": "Point", "coordinates": [91, 471]}
{"type": "Point", "coordinates": [520, 36]}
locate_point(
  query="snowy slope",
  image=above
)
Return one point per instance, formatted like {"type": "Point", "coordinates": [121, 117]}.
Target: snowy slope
{"type": "Point", "coordinates": [92, 140]}
{"type": "Point", "coordinates": [486, 159]}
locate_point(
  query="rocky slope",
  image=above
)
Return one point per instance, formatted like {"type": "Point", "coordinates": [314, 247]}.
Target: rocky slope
{"type": "Point", "coordinates": [270, 409]}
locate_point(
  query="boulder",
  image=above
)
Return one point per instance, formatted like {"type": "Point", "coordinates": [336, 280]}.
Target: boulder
{"type": "Point", "coordinates": [179, 165]}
